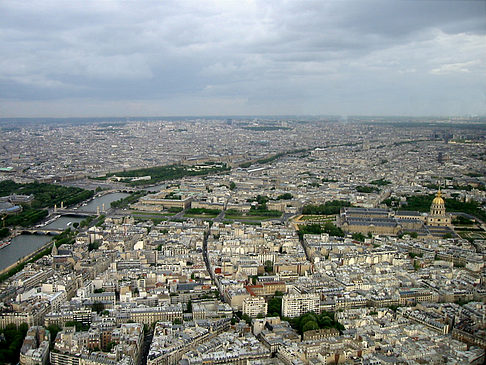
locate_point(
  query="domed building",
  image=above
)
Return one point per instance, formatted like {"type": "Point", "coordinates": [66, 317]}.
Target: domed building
{"type": "Point", "coordinates": [438, 216]}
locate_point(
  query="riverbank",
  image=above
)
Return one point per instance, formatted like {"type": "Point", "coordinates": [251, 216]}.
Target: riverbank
{"type": "Point", "coordinates": [20, 263]}
{"type": "Point", "coordinates": [66, 237]}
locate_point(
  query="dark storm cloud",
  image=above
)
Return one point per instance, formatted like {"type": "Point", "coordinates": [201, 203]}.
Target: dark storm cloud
{"type": "Point", "coordinates": [230, 57]}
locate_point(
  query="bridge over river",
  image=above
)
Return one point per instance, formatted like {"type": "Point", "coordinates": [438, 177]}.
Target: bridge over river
{"type": "Point", "coordinates": [41, 230]}
{"type": "Point", "coordinates": [74, 212]}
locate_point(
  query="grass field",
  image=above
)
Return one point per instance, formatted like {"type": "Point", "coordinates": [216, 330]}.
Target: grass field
{"type": "Point", "coordinates": [139, 213]}
{"type": "Point", "coordinates": [248, 217]}
{"type": "Point", "coordinates": [155, 220]}
{"type": "Point", "coordinates": [205, 215]}
{"type": "Point", "coordinates": [317, 218]}
{"type": "Point", "coordinates": [472, 234]}
{"type": "Point", "coordinates": [243, 222]}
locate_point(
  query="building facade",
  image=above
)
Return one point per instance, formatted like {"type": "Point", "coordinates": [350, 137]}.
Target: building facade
{"type": "Point", "coordinates": [293, 305]}
{"type": "Point", "coordinates": [438, 216]}
{"type": "Point", "coordinates": [253, 306]}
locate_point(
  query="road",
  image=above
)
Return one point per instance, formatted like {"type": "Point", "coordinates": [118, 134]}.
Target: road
{"type": "Point", "coordinates": [205, 254]}
{"type": "Point", "coordinates": [147, 340]}
{"type": "Point", "coordinates": [220, 217]}
{"type": "Point", "coordinates": [208, 265]}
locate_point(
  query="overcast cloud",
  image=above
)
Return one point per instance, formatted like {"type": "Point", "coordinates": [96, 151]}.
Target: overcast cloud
{"type": "Point", "coordinates": [119, 58]}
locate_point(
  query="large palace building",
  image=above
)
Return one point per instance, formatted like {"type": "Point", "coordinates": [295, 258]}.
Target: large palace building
{"type": "Point", "coordinates": [383, 221]}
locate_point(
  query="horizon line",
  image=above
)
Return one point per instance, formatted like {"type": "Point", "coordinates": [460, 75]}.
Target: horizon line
{"type": "Point", "coordinates": [341, 116]}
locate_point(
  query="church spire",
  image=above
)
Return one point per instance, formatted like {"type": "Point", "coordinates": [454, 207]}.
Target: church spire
{"type": "Point", "coordinates": [54, 251]}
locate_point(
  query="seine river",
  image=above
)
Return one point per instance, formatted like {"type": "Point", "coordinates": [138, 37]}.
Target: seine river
{"type": "Point", "coordinates": [25, 244]}
{"type": "Point", "coordinates": [63, 222]}
{"type": "Point", "coordinates": [98, 202]}
{"type": "Point", "coordinates": [21, 246]}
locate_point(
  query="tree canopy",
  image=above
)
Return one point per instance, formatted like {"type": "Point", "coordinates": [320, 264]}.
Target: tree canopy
{"type": "Point", "coordinates": [330, 207]}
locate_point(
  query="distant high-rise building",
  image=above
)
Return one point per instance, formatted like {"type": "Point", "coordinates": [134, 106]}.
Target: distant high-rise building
{"type": "Point", "coordinates": [442, 157]}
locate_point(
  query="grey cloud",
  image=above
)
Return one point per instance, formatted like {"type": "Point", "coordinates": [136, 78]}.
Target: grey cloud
{"type": "Point", "coordinates": [299, 56]}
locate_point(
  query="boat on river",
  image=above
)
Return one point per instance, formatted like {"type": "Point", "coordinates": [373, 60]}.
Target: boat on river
{"type": "Point", "coordinates": [4, 244]}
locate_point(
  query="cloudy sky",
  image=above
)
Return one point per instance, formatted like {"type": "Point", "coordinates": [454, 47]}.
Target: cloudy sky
{"type": "Point", "coordinates": [137, 58]}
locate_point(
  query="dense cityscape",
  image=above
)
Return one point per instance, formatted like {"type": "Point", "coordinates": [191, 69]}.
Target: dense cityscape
{"type": "Point", "coordinates": [248, 182]}
{"type": "Point", "coordinates": [243, 240]}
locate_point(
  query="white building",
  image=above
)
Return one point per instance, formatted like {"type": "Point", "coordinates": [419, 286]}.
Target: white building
{"type": "Point", "coordinates": [253, 306]}
{"type": "Point", "coordinates": [293, 305]}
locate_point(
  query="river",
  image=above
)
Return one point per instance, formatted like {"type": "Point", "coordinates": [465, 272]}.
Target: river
{"type": "Point", "coordinates": [64, 222]}
{"type": "Point", "coordinates": [91, 207]}
{"type": "Point", "coordinates": [25, 244]}
{"type": "Point", "coordinates": [21, 246]}
{"type": "Point", "coordinates": [156, 187]}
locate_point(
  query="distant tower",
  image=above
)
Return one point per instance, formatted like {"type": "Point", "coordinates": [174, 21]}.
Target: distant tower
{"type": "Point", "coordinates": [437, 215]}
{"type": "Point", "coordinates": [98, 210]}
{"type": "Point", "coordinates": [442, 157]}
{"type": "Point", "coordinates": [54, 251]}
{"type": "Point", "coordinates": [103, 208]}
{"type": "Point", "coordinates": [62, 205]}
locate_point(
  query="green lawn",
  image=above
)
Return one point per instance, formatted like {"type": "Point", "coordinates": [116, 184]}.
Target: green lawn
{"type": "Point", "coordinates": [473, 235]}
{"type": "Point", "coordinates": [153, 219]}
{"type": "Point", "coordinates": [153, 214]}
{"type": "Point", "coordinates": [249, 217]}
{"type": "Point", "coordinates": [188, 215]}
{"type": "Point", "coordinates": [167, 172]}
{"type": "Point", "coordinates": [320, 218]}
{"type": "Point", "coordinates": [226, 221]}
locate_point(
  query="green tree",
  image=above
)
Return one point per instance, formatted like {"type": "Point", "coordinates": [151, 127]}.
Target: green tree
{"type": "Point", "coordinates": [189, 307]}
{"type": "Point", "coordinates": [268, 266]}
{"type": "Point", "coordinates": [168, 172]}
{"type": "Point", "coordinates": [274, 307]}
{"type": "Point", "coordinates": [330, 207]}
{"type": "Point", "coordinates": [310, 320]}
{"type": "Point", "coordinates": [380, 182]}
{"type": "Point", "coordinates": [285, 196]}
{"type": "Point", "coordinates": [366, 189]}
{"type": "Point", "coordinates": [98, 307]}
{"type": "Point", "coordinates": [358, 237]}
{"type": "Point", "coordinates": [246, 318]}
{"type": "Point", "coordinates": [10, 348]}
{"type": "Point", "coordinates": [310, 325]}
{"type": "Point", "coordinates": [109, 346]}
{"type": "Point", "coordinates": [53, 329]}
{"type": "Point", "coordinates": [94, 245]}
{"type": "Point", "coordinates": [332, 230]}
{"type": "Point", "coordinates": [4, 232]}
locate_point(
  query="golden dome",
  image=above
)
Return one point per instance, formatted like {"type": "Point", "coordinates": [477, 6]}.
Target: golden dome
{"type": "Point", "coordinates": [438, 199]}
